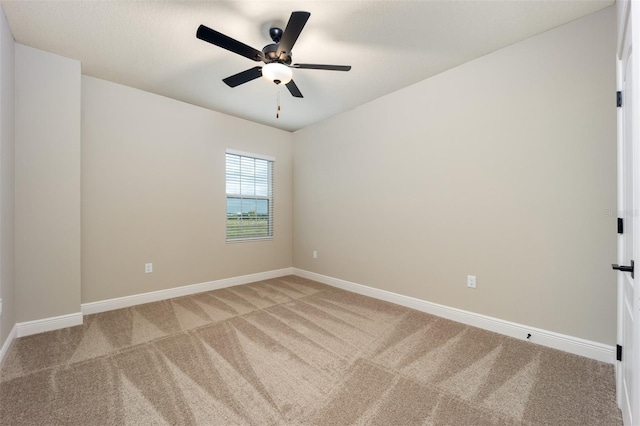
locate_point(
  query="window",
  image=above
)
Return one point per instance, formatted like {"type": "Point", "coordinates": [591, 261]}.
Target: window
{"type": "Point", "coordinates": [249, 181]}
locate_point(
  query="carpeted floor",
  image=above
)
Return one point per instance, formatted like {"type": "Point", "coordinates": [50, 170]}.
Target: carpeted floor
{"type": "Point", "coordinates": [290, 351]}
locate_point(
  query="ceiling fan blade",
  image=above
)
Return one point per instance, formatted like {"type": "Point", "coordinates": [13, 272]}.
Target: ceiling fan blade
{"type": "Point", "coordinates": [243, 77]}
{"type": "Point", "coordinates": [294, 27]}
{"type": "Point", "coordinates": [228, 43]}
{"type": "Point", "coordinates": [294, 89]}
{"type": "Point", "coordinates": [322, 67]}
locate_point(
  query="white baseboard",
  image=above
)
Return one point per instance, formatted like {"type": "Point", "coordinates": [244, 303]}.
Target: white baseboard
{"type": "Point", "coordinates": [7, 344]}
{"type": "Point", "coordinates": [155, 296]}
{"type": "Point", "coordinates": [54, 323]}
{"type": "Point", "coordinates": [48, 324]}
{"type": "Point", "coordinates": [574, 345]}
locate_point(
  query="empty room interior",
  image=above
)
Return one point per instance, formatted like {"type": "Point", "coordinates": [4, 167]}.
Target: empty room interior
{"type": "Point", "coordinates": [410, 217]}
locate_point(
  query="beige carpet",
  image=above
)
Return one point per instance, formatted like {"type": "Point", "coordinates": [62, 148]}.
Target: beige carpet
{"type": "Point", "coordinates": [291, 351]}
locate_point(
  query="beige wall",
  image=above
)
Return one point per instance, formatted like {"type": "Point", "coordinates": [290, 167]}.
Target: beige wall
{"type": "Point", "coordinates": [153, 173]}
{"type": "Point", "coordinates": [47, 184]}
{"type": "Point", "coordinates": [7, 172]}
{"type": "Point", "coordinates": [502, 168]}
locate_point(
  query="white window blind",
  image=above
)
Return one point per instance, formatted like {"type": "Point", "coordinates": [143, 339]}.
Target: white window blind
{"type": "Point", "coordinates": [249, 182]}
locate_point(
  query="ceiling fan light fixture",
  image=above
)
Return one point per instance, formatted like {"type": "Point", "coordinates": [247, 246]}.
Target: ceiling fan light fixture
{"type": "Point", "coordinates": [277, 73]}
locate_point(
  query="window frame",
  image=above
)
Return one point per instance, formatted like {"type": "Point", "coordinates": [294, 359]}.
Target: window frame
{"type": "Point", "coordinates": [269, 197]}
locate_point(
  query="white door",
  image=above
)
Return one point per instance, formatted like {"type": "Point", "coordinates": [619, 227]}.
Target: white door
{"type": "Point", "coordinates": [628, 66]}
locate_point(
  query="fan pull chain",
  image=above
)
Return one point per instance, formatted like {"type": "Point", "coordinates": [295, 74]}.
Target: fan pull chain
{"type": "Point", "coordinates": [278, 110]}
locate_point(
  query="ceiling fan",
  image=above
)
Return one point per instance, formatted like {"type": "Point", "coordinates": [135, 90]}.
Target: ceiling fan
{"type": "Point", "coordinates": [276, 56]}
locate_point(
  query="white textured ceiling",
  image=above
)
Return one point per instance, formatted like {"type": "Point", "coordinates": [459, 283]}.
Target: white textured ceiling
{"type": "Point", "coordinates": [151, 45]}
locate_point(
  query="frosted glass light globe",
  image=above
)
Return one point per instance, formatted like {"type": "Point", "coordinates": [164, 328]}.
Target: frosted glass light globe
{"type": "Point", "coordinates": [277, 73]}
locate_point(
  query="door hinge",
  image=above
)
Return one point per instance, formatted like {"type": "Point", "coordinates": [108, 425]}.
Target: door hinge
{"type": "Point", "coordinates": [620, 225]}
{"type": "Point", "coordinates": [618, 99]}
{"type": "Point", "coordinates": [618, 353]}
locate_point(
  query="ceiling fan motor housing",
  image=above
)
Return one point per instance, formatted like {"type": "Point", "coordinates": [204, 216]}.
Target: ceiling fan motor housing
{"type": "Point", "coordinates": [270, 53]}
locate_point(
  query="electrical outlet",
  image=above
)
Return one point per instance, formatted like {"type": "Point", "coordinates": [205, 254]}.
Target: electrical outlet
{"type": "Point", "coordinates": [148, 268]}
{"type": "Point", "coordinates": [315, 254]}
{"type": "Point", "coordinates": [471, 281]}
